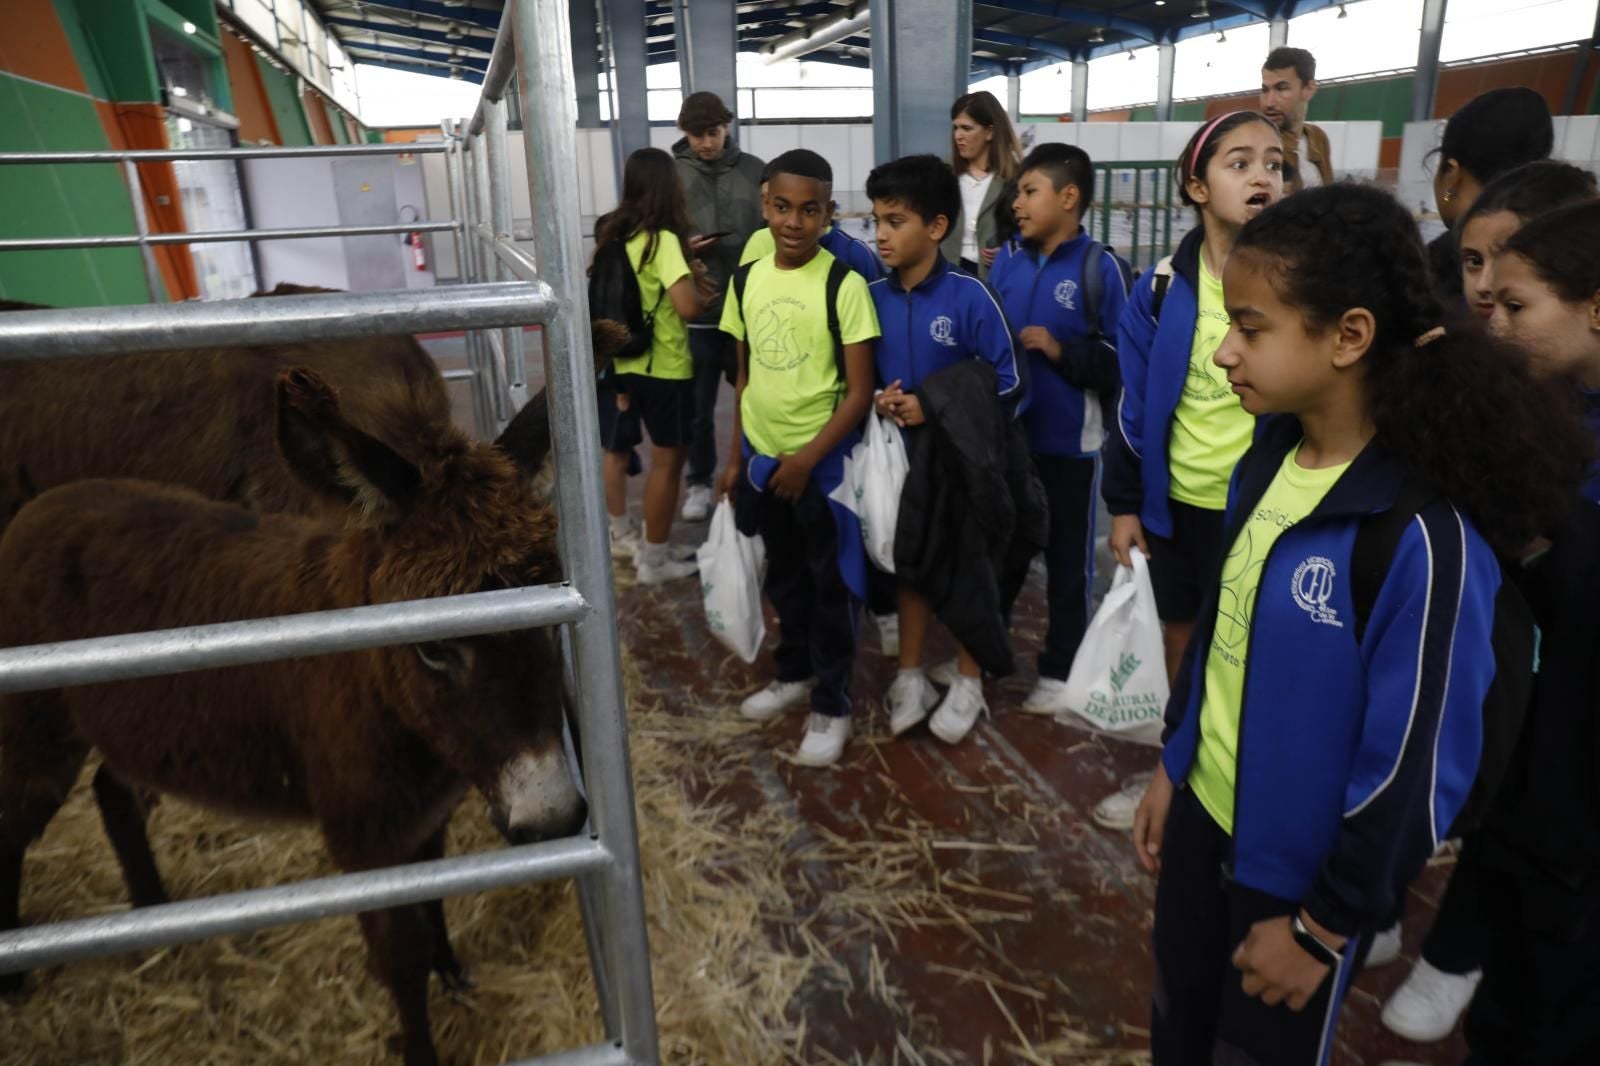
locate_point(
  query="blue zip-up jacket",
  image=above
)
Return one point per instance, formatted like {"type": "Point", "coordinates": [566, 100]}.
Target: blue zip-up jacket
{"type": "Point", "coordinates": [1154, 361]}
{"type": "Point", "coordinates": [855, 254]}
{"type": "Point", "coordinates": [948, 317]}
{"type": "Point", "coordinates": [1063, 414]}
{"type": "Point", "coordinates": [1353, 758]}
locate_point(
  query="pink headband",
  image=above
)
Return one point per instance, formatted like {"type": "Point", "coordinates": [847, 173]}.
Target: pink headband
{"type": "Point", "coordinates": [1194, 157]}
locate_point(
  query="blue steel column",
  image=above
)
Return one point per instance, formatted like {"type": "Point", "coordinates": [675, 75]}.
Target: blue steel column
{"type": "Point", "coordinates": [1277, 33]}
{"type": "Point", "coordinates": [1080, 90]}
{"type": "Point", "coordinates": [708, 40]}
{"type": "Point", "coordinates": [544, 67]}
{"type": "Point", "coordinates": [630, 119]}
{"type": "Point", "coordinates": [921, 57]}
{"type": "Point", "coordinates": [1426, 83]}
{"type": "Point", "coordinates": [584, 19]}
{"type": "Point", "coordinates": [1166, 60]}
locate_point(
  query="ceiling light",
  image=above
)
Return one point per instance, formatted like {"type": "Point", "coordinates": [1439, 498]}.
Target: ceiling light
{"type": "Point", "coordinates": [1098, 36]}
{"type": "Point", "coordinates": [1161, 3]}
{"type": "Point", "coordinates": [1222, 38]}
{"type": "Point", "coordinates": [454, 32]}
{"type": "Point", "coordinates": [1202, 10]}
{"type": "Point", "coordinates": [1342, 12]}
{"type": "Point", "coordinates": [178, 90]}
{"type": "Point", "coordinates": [1131, 57]}
{"type": "Point", "coordinates": [189, 27]}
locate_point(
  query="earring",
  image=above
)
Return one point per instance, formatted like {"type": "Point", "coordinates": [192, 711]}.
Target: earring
{"type": "Point", "coordinates": [1449, 194]}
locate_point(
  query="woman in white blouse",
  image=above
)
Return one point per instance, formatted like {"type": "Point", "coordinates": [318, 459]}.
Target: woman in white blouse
{"type": "Point", "coordinates": [985, 156]}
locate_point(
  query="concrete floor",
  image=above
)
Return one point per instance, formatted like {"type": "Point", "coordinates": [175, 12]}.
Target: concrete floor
{"type": "Point", "coordinates": [1079, 957]}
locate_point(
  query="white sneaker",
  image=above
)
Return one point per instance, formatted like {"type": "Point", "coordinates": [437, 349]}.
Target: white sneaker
{"type": "Point", "coordinates": [1427, 1006]}
{"type": "Point", "coordinates": [960, 709]}
{"type": "Point", "coordinates": [824, 740]}
{"type": "Point", "coordinates": [1385, 947]}
{"type": "Point", "coordinates": [1049, 696]}
{"type": "Point", "coordinates": [668, 569]}
{"type": "Point", "coordinates": [1116, 811]}
{"type": "Point", "coordinates": [697, 503]}
{"type": "Point", "coordinates": [909, 700]}
{"type": "Point", "coordinates": [773, 700]}
{"type": "Point", "coordinates": [944, 674]}
{"type": "Point", "coordinates": [888, 634]}
{"type": "Point", "coordinates": [626, 547]}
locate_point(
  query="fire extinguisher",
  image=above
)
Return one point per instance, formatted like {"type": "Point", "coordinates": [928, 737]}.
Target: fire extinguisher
{"type": "Point", "coordinates": [419, 253]}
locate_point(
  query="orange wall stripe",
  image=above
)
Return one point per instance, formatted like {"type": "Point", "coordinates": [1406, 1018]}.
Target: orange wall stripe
{"type": "Point", "coordinates": [130, 126]}
{"type": "Point", "coordinates": [34, 46]}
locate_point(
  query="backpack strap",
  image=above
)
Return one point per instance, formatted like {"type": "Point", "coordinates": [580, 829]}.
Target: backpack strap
{"type": "Point", "coordinates": [740, 276]}
{"type": "Point", "coordinates": [1159, 283]}
{"type": "Point", "coordinates": [1377, 538]}
{"type": "Point", "coordinates": [1094, 284]}
{"type": "Point", "coordinates": [837, 272]}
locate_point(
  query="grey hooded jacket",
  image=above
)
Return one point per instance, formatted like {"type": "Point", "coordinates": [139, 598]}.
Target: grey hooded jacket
{"type": "Point", "coordinates": [723, 195]}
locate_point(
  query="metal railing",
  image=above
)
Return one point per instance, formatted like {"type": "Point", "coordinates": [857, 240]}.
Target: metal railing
{"type": "Point", "coordinates": [1137, 210]}
{"type": "Point", "coordinates": [502, 293]}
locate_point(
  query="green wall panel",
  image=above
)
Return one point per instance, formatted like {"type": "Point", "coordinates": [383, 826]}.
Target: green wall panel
{"type": "Point", "coordinates": [336, 120]}
{"type": "Point", "coordinates": [284, 99]}
{"type": "Point", "coordinates": [117, 41]}
{"type": "Point", "coordinates": [1387, 100]}
{"type": "Point", "coordinates": [62, 201]}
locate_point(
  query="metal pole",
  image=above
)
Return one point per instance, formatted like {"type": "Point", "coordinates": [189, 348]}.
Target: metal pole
{"type": "Point", "coordinates": [1080, 90]}
{"type": "Point", "coordinates": [152, 272]}
{"type": "Point", "coordinates": [452, 179]}
{"type": "Point", "coordinates": [184, 155]}
{"type": "Point", "coordinates": [270, 320]}
{"type": "Point", "coordinates": [495, 141]}
{"type": "Point", "coordinates": [1166, 64]}
{"type": "Point", "coordinates": [499, 355]}
{"type": "Point", "coordinates": [477, 354]}
{"type": "Point", "coordinates": [545, 65]}
{"type": "Point", "coordinates": [144, 239]}
{"type": "Point", "coordinates": [1426, 83]}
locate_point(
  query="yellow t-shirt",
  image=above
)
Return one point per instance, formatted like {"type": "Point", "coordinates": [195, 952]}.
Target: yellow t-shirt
{"type": "Point", "coordinates": [1293, 494]}
{"type": "Point", "coordinates": [1210, 431]}
{"type": "Point", "coordinates": [668, 356]}
{"type": "Point", "coordinates": [793, 382]}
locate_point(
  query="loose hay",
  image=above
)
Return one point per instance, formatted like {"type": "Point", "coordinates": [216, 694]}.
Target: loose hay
{"type": "Point", "coordinates": [733, 935]}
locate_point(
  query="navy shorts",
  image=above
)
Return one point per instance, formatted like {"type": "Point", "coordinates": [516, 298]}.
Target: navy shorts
{"type": "Point", "coordinates": [664, 409]}
{"type": "Point", "coordinates": [1185, 566]}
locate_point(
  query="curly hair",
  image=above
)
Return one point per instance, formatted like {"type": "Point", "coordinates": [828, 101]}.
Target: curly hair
{"type": "Point", "coordinates": [1563, 247]}
{"type": "Point", "coordinates": [1464, 412]}
{"type": "Point", "coordinates": [652, 200]}
{"type": "Point", "coordinates": [1531, 190]}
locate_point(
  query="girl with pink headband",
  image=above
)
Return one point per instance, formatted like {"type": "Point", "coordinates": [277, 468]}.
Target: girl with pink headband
{"type": "Point", "coordinates": [1179, 429]}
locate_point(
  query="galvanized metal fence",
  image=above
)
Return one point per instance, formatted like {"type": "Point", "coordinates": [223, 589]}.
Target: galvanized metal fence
{"type": "Point", "coordinates": [503, 292]}
{"type": "Point", "coordinates": [1137, 210]}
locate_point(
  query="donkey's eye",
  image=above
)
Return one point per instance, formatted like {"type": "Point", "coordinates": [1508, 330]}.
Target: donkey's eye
{"type": "Point", "coordinates": [436, 655]}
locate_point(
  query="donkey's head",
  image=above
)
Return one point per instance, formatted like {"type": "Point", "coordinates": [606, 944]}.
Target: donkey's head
{"type": "Point", "coordinates": [450, 516]}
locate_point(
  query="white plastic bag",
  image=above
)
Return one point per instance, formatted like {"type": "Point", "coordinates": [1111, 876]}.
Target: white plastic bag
{"type": "Point", "coordinates": [878, 469]}
{"type": "Point", "coordinates": [1118, 682]}
{"type": "Point", "coordinates": [730, 582]}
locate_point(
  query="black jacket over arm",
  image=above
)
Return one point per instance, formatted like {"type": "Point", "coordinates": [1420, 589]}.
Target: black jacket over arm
{"type": "Point", "coordinates": [971, 505]}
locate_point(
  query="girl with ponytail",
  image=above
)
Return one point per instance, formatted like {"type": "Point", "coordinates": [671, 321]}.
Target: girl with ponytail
{"type": "Point", "coordinates": [1320, 744]}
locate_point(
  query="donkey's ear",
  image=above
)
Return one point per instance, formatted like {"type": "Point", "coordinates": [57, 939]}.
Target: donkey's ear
{"type": "Point", "coordinates": [331, 456]}
{"type": "Point", "coordinates": [526, 438]}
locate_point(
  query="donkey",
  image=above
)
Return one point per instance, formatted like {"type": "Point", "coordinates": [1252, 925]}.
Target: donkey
{"type": "Point", "coordinates": [377, 747]}
{"type": "Point", "coordinates": [204, 418]}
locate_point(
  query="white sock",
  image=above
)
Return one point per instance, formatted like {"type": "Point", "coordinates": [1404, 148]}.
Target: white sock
{"type": "Point", "coordinates": [653, 554]}
{"type": "Point", "coordinates": [620, 526]}
{"type": "Point", "coordinates": [917, 670]}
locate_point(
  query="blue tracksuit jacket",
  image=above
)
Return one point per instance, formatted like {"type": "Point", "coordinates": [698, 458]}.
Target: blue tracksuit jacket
{"type": "Point", "coordinates": [1353, 758]}
{"type": "Point", "coordinates": [1063, 416]}
{"type": "Point", "coordinates": [1154, 361]}
{"type": "Point", "coordinates": [949, 317]}
{"type": "Point", "coordinates": [853, 253]}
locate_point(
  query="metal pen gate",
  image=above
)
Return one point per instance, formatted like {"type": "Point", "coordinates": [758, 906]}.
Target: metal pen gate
{"type": "Point", "coordinates": [503, 292]}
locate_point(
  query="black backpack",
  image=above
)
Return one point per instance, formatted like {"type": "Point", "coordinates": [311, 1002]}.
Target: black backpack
{"type": "Point", "coordinates": [1514, 637]}
{"type": "Point", "coordinates": [614, 294]}
{"type": "Point", "coordinates": [1094, 283]}
{"type": "Point", "coordinates": [837, 272]}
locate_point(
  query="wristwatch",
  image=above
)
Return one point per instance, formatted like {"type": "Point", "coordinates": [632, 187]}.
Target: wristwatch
{"type": "Point", "coordinates": [1312, 945]}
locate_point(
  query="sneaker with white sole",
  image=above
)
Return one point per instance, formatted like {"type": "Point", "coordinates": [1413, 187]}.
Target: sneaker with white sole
{"type": "Point", "coordinates": [826, 736]}
{"type": "Point", "coordinates": [625, 547]}
{"type": "Point", "coordinates": [1426, 1007]}
{"type": "Point", "coordinates": [960, 709]}
{"type": "Point", "coordinates": [1049, 696]}
{"type": "Point", "coordinates": [888, 634]}
{"type": "Point", "coordinates": [944, 674]}
{"type": "Point", "coordinates": [1385, 947]}
{"type": "Point", "coordinates": [911, 696]}
{"type": "Point", "coordinates": [773, 700]}
{"type": "Point", "coordinates": [660, 571]}
{"type": "Point", "coordinates": [697, 503]}
{"type": "Point", "coordinates": [1116, 811]}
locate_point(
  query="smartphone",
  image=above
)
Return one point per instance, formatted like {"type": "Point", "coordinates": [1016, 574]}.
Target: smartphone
{"type": "Point", "coordinates": [716, 236]}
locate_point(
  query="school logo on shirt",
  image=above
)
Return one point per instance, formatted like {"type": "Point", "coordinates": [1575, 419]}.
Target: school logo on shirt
{"type": "Point", "coordinates": [943, 331]}
{"type": "Point", "coordinates": [1065, 294]}
{"type": "Point", "coordinates": [1312, 587]}
{"type": "Point", "coordinates": [773, 338]}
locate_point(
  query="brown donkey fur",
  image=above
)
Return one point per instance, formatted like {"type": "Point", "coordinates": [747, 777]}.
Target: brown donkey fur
{"type": "Point", "coordinates": [204, 418]}
{"type": "Point", "coordinates": [377, 746]}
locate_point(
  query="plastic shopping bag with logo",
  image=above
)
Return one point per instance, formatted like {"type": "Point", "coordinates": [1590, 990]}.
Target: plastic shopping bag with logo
{"type": "Point", "coordinates": [1118, 682]}
{"type": "Point", "coordinates": [730, 583]}
{"type": "Point", "coordinates": [877, 469]}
